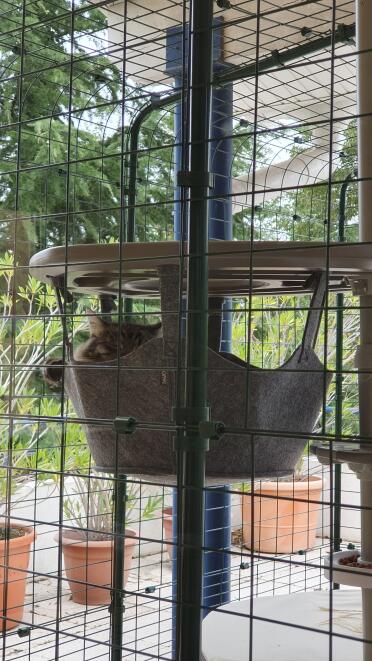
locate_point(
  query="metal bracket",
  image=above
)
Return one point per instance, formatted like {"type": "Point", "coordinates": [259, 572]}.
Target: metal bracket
{"type": "Point", "coordinates": [211, 430]}
{"type": "Point", "coordinates": [345, 33]}
{"type": "Point", "coordinates": [362, 471]}
{"type": "Point", "coordinates": [189, 414]}
{"type": "Point", "coordinates": [361, 286]}
{"type": "Point", "coordinates": [208, 430]}
{"type": "Point", "coordinates": [59, 282]}
{"type": "Point", "coordinates": [276, 57]}
{"type": "Point", "coordinates": [195, 179]}
{"type": "Point", "coordinates": [24, 631]}
{"type": "Point", "coordinates": [156, 100]}
{"type": "Point", "coordinates": [125, 425]}
{"type": "Point", "coordinates": [306, 32]}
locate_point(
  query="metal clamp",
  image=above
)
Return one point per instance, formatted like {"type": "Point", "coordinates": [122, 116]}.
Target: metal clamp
{"type": "Point", "coordinates": [211, 430]}
{"type": "Point", "coordinates": [361, 286]}
{"type": "Point", "coordinates": [190, 414]}
{"type": "Point", "coordinates": [346, 33]}
{"type": "Point", "coordinates": [156, 100]}
{"type": "Point", "coordinates": [224, 4]}
{"type": "Point", "coordinates": [276, 57]}
{"type": "Point", "coordinates": [125, 425]}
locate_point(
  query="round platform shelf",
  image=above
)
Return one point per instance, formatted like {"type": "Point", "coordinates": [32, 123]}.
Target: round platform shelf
{"type": "Point", "coordinates": [347, 574]}
{"type": "Point", "coordinates": [278, 631]}
{"type": "Point", "coordinates": [342, 453]}
{"type": "Point", "coordinates": [236, 268]}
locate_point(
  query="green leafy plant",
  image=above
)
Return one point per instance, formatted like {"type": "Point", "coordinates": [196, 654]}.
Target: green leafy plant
{"type": "Point", "coordinates": [30, 332]}
{"type": "Point", "coordinates": [88, 497]}
{"type": "Point", "coordinates": [89, 503]}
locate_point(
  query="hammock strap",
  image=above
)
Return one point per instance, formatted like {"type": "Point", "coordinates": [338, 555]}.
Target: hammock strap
{"type": "Point", "coordinates": [62, 298]}
{"type": "Point", "coordinates": [315, 312]}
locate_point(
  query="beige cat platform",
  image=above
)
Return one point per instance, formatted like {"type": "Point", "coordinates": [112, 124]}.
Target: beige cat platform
{"type": "Point", "coordinates": [277, 267]}
{"type": "Point", "coordinates": [268, 414]}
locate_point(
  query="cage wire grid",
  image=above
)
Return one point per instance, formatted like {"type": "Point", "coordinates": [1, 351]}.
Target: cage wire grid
{"type": "Point", "coordinates": [206, 152]}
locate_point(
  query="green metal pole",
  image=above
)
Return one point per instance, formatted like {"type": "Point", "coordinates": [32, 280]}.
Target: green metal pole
{"type": "Point", "coordinates": [339, 378]}
{"type": "Point", "coordinates": [338, 422]}
{"type": "Point", "coordinates": [190, 445]}
{"type": "Point", "coordinates": [130, 234]}
{"type": "Point", "coordinates": [117, 597]}
{"type": "Point", "coordinates": [156, 102]}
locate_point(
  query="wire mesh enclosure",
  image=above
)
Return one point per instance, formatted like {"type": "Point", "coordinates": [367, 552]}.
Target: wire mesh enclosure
{"type": "Point", "coordinates": [186, 330]}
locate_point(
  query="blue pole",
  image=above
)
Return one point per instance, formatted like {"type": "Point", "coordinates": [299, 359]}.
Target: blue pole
{"type": "Point", "coordinates": [177, 158]}
{"type": "Point", "coordinates": [217, 589]}
{"type": "Point", "coordinates": [221, 155]}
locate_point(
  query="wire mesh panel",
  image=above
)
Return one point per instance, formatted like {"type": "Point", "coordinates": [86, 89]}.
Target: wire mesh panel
{"type": "Point", "coordinates": [185, 272]}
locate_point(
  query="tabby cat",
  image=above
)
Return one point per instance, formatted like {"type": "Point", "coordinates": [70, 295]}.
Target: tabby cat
{"type": "Point", "coordinates": [102, 345]}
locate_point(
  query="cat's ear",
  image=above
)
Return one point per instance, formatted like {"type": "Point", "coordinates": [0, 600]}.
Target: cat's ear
{"type": "Point", "coordinates": [96, 326]}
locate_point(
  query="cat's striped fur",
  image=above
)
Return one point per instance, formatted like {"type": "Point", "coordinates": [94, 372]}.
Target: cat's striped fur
{"type": "Point", "coordinates": [102, 345]}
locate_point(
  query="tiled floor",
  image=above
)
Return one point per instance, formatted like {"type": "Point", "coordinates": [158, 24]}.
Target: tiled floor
{"type": "Point", "coordinates": [84, 633]}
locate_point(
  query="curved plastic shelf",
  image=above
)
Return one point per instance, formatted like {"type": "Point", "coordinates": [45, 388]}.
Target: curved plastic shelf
{"type": "Point", "coordinates": [236, 268]}
{"type": "Point", "coordinates": [359, 577]}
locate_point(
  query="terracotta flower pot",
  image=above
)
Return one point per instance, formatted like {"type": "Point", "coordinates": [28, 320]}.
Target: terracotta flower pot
{"type": "Point", "coordinates": [14, 563]}
{"type": "Point", "coordinates": [284, 519]}
{"type": "Point", "coordinates": [90, 563]}
{"type": "Point", "coordinates": [168, 529]}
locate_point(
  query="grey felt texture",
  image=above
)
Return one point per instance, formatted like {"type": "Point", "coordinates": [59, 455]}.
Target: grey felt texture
{"type": "Point", "coordinates": [280, 403]}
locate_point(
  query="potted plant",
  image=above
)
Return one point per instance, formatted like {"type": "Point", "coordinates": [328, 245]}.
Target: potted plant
{"type": "Point", "coordinates": [16, 540]}
{"type": "Point", "coordinates": [34, 335]}
{"type": "Point", "coordinates": [285, 513]}
{"type": "Point", "coordinates": [167, 520]}
{"type": "Point", "coordinates": [88, 541]}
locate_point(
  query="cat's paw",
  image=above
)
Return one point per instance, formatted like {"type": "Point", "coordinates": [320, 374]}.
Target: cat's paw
{"type": "Point", "coordinates": [52, 372]}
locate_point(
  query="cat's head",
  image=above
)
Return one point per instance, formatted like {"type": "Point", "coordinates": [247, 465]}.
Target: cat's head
{"type": "Point", "coordinates": [106, 338]}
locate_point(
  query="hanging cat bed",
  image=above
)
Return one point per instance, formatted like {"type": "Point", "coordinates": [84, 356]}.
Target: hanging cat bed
{"type": "Point", "coordinates": [272, 411]}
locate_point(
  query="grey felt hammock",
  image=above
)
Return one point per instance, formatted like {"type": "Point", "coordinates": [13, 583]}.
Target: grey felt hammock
{"type": "Point", "coordinates": [275, 402]}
